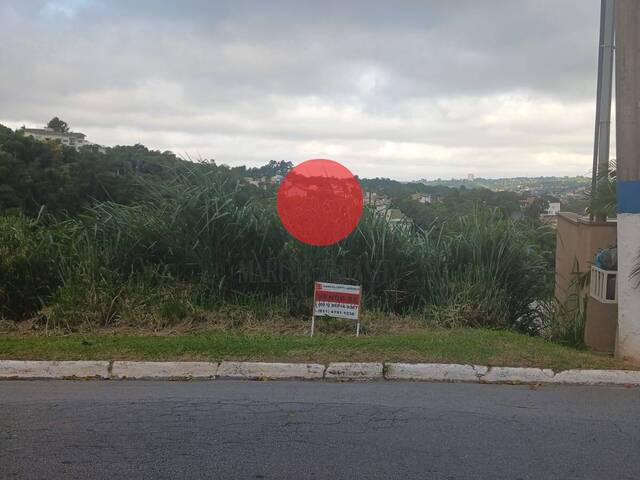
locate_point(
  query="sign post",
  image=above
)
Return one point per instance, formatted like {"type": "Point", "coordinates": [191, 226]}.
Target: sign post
{"type": "Point", "coordinates": [336, 300]}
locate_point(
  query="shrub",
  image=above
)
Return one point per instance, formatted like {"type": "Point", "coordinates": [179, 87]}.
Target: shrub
{"type": "Point", "coordinates": [481, 270]}
{"type": "Point", "coordinates": [487, 270]}
{"type": "Point", "coordinates": [26, 267]}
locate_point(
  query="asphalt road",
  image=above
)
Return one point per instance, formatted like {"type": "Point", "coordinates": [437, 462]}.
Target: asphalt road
{"type": "Point", "coordinates": [300, 430]}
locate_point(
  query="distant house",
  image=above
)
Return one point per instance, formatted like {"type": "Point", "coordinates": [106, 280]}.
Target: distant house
{"type": "Point", "coordinates": [395, 216]}
{"type": "Point", "coordinates": [70, 139]}
{"type": "Point", "coordinates": [550, 216]}
{"type": "Point", "coordinates": [252, 181]}
{"type": "Point", "coordinates": [553, 210]}
{"type": "Point", "coordinates": [422, 197]}
{"type": "Point", "coordinates": [382, 206]}
{"type": "Point", "coordinates": [369, 198]}
{"type": "Point", "coordinates": [375, 199]}
{"type": "Point", "coordinates": [264, 182]}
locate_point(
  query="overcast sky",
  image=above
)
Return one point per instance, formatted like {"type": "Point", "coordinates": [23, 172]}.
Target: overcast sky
{"type": "Point", "coordinates": [401, 89]}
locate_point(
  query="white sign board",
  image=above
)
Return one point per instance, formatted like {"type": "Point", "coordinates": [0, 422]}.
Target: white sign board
{"type": "Point", "coordinates": [336, 300]}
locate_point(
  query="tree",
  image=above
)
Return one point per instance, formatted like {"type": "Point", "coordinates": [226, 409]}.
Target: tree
{"type": "Point", "coordinates": [604, 201]}
{"type": "Point", "coordinates": [272, 168]}
{"type": "Point", "coordinates": [58, 125]}
{"type": "Point", "coordinates": [536, 208]}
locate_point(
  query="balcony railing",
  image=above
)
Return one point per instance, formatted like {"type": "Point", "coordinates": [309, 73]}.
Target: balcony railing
{"type": "Point", "coordinates": [603, 285]}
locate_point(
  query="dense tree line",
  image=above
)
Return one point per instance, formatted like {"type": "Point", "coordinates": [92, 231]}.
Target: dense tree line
{"type": "Point", "coordinates": [446, 202]}
{"type": "Point", "coordinates": [36, 175]}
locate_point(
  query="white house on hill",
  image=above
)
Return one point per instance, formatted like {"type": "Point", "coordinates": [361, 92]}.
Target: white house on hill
{"type": "Point", "coordinates": [70, 139]}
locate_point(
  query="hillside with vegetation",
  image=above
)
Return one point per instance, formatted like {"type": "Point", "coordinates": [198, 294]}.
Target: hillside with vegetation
{"type": "Point", "coordinates": [571, 192]}
{"type": "Point", "coordinates": [546, 185]}
{"type": "Point", "coordinates": [141, 238]}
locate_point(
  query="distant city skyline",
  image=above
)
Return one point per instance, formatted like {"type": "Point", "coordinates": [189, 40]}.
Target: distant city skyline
{"type": "Point", "coordinates": [497, 89]}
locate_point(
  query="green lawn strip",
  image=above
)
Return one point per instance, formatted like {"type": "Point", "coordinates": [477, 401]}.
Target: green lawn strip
{"type": "Point", "coordinates": [484, 347]}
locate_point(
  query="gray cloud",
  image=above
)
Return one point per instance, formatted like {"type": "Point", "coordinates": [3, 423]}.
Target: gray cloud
{"type": "Point", "coordinates": [403, 89]}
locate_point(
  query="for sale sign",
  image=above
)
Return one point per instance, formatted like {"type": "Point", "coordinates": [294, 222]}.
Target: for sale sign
{"type": "Point", "coordinates": [336, 300]}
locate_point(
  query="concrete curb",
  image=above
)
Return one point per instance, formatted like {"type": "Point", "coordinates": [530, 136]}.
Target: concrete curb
{"type": "Point", "coordinates": [338, 371]}
{"type": "Point", "coordinates": [163, 370]}
{"type": "Point", "coordinates": [49, 369]}
{"type": "Point", "coordinates": [598, 377]}
{"type": "Point", "coordinates": [518, 375]}
{"type": "Point", "coordinates": [435, 372]}
{"type": "Point", "coordinates": [354, 371]}
{"type": "Point", "coordinates": [270, 371]}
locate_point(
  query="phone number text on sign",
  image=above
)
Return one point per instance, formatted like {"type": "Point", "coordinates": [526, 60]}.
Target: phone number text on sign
{"type": "Point", "coordinates": [336, 300]}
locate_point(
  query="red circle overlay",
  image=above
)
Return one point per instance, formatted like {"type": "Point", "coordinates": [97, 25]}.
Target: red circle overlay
{"type": "Point", "coordinates": [319, 202]}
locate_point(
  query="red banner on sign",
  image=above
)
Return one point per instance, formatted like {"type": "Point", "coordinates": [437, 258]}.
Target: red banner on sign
{"type": "Point", "coordinates": [336, 300]}
{"type": "Point", "coordinates": [337, 297]}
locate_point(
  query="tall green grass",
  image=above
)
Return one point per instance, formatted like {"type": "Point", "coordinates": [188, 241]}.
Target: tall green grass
{"type": "Point", "coordinates": [27, 271]}
{"type": "Point", "coordinates": [198, 244]}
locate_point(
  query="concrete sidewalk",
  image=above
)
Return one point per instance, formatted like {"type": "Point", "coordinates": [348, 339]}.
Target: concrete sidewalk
{"type": "Point", "coordinates": [339, 371]}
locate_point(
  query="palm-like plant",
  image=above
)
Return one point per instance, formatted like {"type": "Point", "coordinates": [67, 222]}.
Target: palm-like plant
{"type": "Point", "coordinates": [603, 202]}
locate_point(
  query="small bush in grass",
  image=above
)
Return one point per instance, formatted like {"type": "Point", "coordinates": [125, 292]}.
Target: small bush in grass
{"type": "Point", "coordinates": [146, 299]}
{"type": "Point", "coordinates": [564, 322]}
{"type": "Point", "coordinates": [82, 302]}
{"type": "Point", "coordinates": [471, 305]}
{"type": "Point", "coordinates": [173, 310]}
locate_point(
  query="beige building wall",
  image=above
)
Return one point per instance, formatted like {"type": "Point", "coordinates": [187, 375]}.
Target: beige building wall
{"type": "Point", "coordinates": [578, 240]}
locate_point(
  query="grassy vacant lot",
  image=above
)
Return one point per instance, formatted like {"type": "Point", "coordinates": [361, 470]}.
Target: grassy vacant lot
{"type": "Point", "coordinates": [477, 346]}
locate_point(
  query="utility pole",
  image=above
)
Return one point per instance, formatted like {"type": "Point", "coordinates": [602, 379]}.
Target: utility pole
{"type": "Point", "coordinates": [601, 141]}
{"type": "Point", "coordinates": [628, 174]}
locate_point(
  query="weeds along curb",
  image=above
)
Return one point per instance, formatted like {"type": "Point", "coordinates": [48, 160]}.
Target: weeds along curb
{"type": "Point", "coordinates": [337, 371]}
